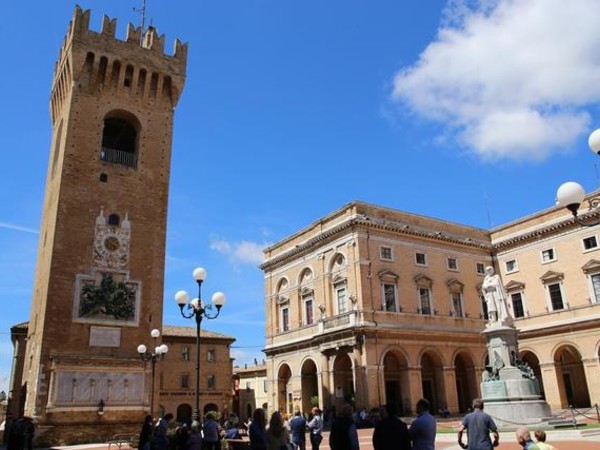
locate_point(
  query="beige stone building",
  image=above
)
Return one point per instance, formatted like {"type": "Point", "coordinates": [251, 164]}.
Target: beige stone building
{"type": "Point", "coordinates": [550, 267]}
{"type": "Point", "coordinates": [251, 390]}
{"type": "Point", "coordinates": [372, 305]}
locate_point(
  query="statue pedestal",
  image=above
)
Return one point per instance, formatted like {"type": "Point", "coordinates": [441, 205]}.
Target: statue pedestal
{"type": "Point", "coordinates": [510, 391]}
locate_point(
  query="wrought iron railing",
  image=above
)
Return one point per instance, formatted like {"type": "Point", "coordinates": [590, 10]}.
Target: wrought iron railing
{"type": "Point", "coordinates": [114, 156]}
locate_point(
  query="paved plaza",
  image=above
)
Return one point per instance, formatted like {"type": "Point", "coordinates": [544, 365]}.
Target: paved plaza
{"type": "Point", "coordinates": [583, 439]}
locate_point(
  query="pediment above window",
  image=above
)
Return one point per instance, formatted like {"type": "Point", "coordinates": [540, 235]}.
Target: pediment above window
{"type": "Point", "coordinates": [423, 281]}
{"type": "Point", "coordinates": [593, 265]}
{"type": "Point", "coordinates": [307, 292]}
{"type": "Point", "coordinates": [387, 274]}
{"type": "Point", "coordinates": [514, 286]}
{"type": "Point", "coordinates": [454, 285]}
{"type": "Point", "coordinates": [282, 299]}
{"type": "Point", "coordinates": [551, 276]}
{"type": "Point", "coordinates": [338, 279]}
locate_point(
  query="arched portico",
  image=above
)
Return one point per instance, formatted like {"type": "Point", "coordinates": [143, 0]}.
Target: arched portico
{"type": "Point", "coordinates": [310, 385]}
{"type": "Point", "coordinates": [284, 389]}
{"type": "Point", "coordinates": [432, 379]}
{"type": "Point", "coordinates": [466, 380]}
{"type": "Point", "coordinates": [343, 381]}
{"type": "Point", "coordinates": [533, 361]}
{"type": "Point", "coordinates": [396, 379]}
{"type": "Point", "coordinates": [572, 382]}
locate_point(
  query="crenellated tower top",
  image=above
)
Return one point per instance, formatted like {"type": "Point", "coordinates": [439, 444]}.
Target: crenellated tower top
{"type": "Point", "coordinates": [98, 62]}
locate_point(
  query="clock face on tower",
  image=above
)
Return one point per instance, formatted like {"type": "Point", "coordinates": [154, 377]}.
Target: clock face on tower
{"type": "Point", "coordinates": [111, 247]}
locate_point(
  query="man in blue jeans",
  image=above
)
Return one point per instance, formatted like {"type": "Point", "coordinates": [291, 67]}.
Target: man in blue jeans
{"type": "Point", "coordinates": [298, 429]}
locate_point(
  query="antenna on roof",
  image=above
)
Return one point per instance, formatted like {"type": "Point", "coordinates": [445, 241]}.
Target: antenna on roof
{"type": "Point", "coordinates": [142, 12]}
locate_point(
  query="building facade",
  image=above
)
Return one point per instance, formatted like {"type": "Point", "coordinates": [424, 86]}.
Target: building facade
{"type": "Point", "coordinates": [250, 390]}
{"type": "Point", "coordinates": [550, 267]}
{"type": "Point", "coordinates": [177, 373]}
{"type": "Point", "coordinates": [370, 305]}
{"type": "Point", "coordinates": [98, 284]}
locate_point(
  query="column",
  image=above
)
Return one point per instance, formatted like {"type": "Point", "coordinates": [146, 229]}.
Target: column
{"type": "Point", "coordinates": [591, 366]}
{"type": "Point", "coordinates": [450, 389]}
{"type": "Point", "coordinates": [553, 389]}
{"type": "Point", "coordinates": [415, 388]}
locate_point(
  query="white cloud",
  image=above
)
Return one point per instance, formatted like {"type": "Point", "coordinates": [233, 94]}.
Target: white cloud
{"type": "Point", "coordinates": [510, 78]}
{"type": "Point", "coordinates": [245, 252]}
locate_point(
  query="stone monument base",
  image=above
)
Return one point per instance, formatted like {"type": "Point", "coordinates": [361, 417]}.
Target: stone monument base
{"type": "Point", "coordinates": [515, 413]}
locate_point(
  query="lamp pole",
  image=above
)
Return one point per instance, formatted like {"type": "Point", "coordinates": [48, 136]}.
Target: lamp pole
{"type": "Point", "coordinates": [152, 357]}
{"type": "Point", "coordinates": [198, 310]}
{"type": "Point", "coordinates": [571, 195]}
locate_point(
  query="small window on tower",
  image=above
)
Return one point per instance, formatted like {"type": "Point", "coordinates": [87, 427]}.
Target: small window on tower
{"type": "Point", "coordinates": [114, 220]}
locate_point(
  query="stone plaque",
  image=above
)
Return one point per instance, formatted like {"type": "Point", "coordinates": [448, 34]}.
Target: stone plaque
{"type": "Point", "coordinates": [493, 390]}
{"type": "Point", "coordinates": [105, 337]}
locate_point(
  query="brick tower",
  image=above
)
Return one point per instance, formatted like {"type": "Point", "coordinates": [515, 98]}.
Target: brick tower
{"type": "Point", "coordinates": [98, 288]}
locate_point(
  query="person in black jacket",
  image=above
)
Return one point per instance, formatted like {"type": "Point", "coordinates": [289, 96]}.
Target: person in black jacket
{"type": "Point", "coordinates": [390, 433]}
{"type": "Point", "coordinates": [343, 434]}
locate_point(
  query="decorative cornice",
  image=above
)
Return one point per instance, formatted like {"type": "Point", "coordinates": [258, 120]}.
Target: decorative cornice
{"type": "Point", "coordinates": [371, 222]}
{"type": "Point", "coordinates": [534, 235]}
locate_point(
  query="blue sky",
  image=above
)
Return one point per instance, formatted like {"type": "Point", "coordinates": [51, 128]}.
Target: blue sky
{"type": "Point", "coordinates": [469, 111]}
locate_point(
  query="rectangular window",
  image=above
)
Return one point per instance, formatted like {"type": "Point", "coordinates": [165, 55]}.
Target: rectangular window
{"type": "Point", "coordinates": [389, 297]}
{"type": "Point", "coordinates": [425, 300]}
{"type": "Point", "coordinates": [308, 311]}
{"type": "Point", "coordinates": [421, 259]}
{"type": "Point", "coordinates": [211, 381]}
{"type": "Point", "coordinates": [185, 353]}
{"type": "Point", "coordinates": [457, 304]}
{"type": "Point", "coordinates": [211, 355]}
{"type": "Point", "coordinates": [517, 304]}
{"type": "Point", "coordinates": [590, 243]}
{"type": "Point", "coordinates": [452, 264]}
{"type": "Point", "coordinates": [285, 319]}
{"type": "Point", "coordinates": [340, 294]}
{"type": "Point", "coordinates": [548, 255]}
{"type": "Point", "coordinates": [556, 297]}
{"type": "Point", "coordinates": [185, 381]}
{"type": "Point", "coordinates": [480, 268]}
{"type": "Point", "coordinates": [511, 266]}
{"type": "Point", "coordinates": [385, 253]}
{"type": "Point", "coordinates": [596, 287]}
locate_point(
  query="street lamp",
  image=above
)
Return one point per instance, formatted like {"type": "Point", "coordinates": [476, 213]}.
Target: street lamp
{"type": "Point", "coordinates": [199, 310]}
{"type": "Point", "coordinates": [159, 352]}
{"type": "Point", "coordinates": [570, 194]}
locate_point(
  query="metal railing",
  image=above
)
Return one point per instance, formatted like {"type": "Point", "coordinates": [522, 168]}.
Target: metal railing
{"type": "Point", "coordinates": [114, 156]}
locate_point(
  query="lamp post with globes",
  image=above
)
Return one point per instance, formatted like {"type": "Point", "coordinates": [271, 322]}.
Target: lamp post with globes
{"type": "Point", "coordinates": [570, 194]}
{"type": "Point", "coordinates": [199, 310]}
{"type": "Point", "coordinates": [152, 357]}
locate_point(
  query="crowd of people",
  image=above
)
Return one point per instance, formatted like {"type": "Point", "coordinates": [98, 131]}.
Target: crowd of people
{"type": "Point", "coordinates": [477, 431]}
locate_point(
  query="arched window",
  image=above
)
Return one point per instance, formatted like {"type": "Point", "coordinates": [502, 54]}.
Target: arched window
{"type": "Point", "coordinates": [119, 140]}
{"type": "Point", "coordinates": [114, 219]}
